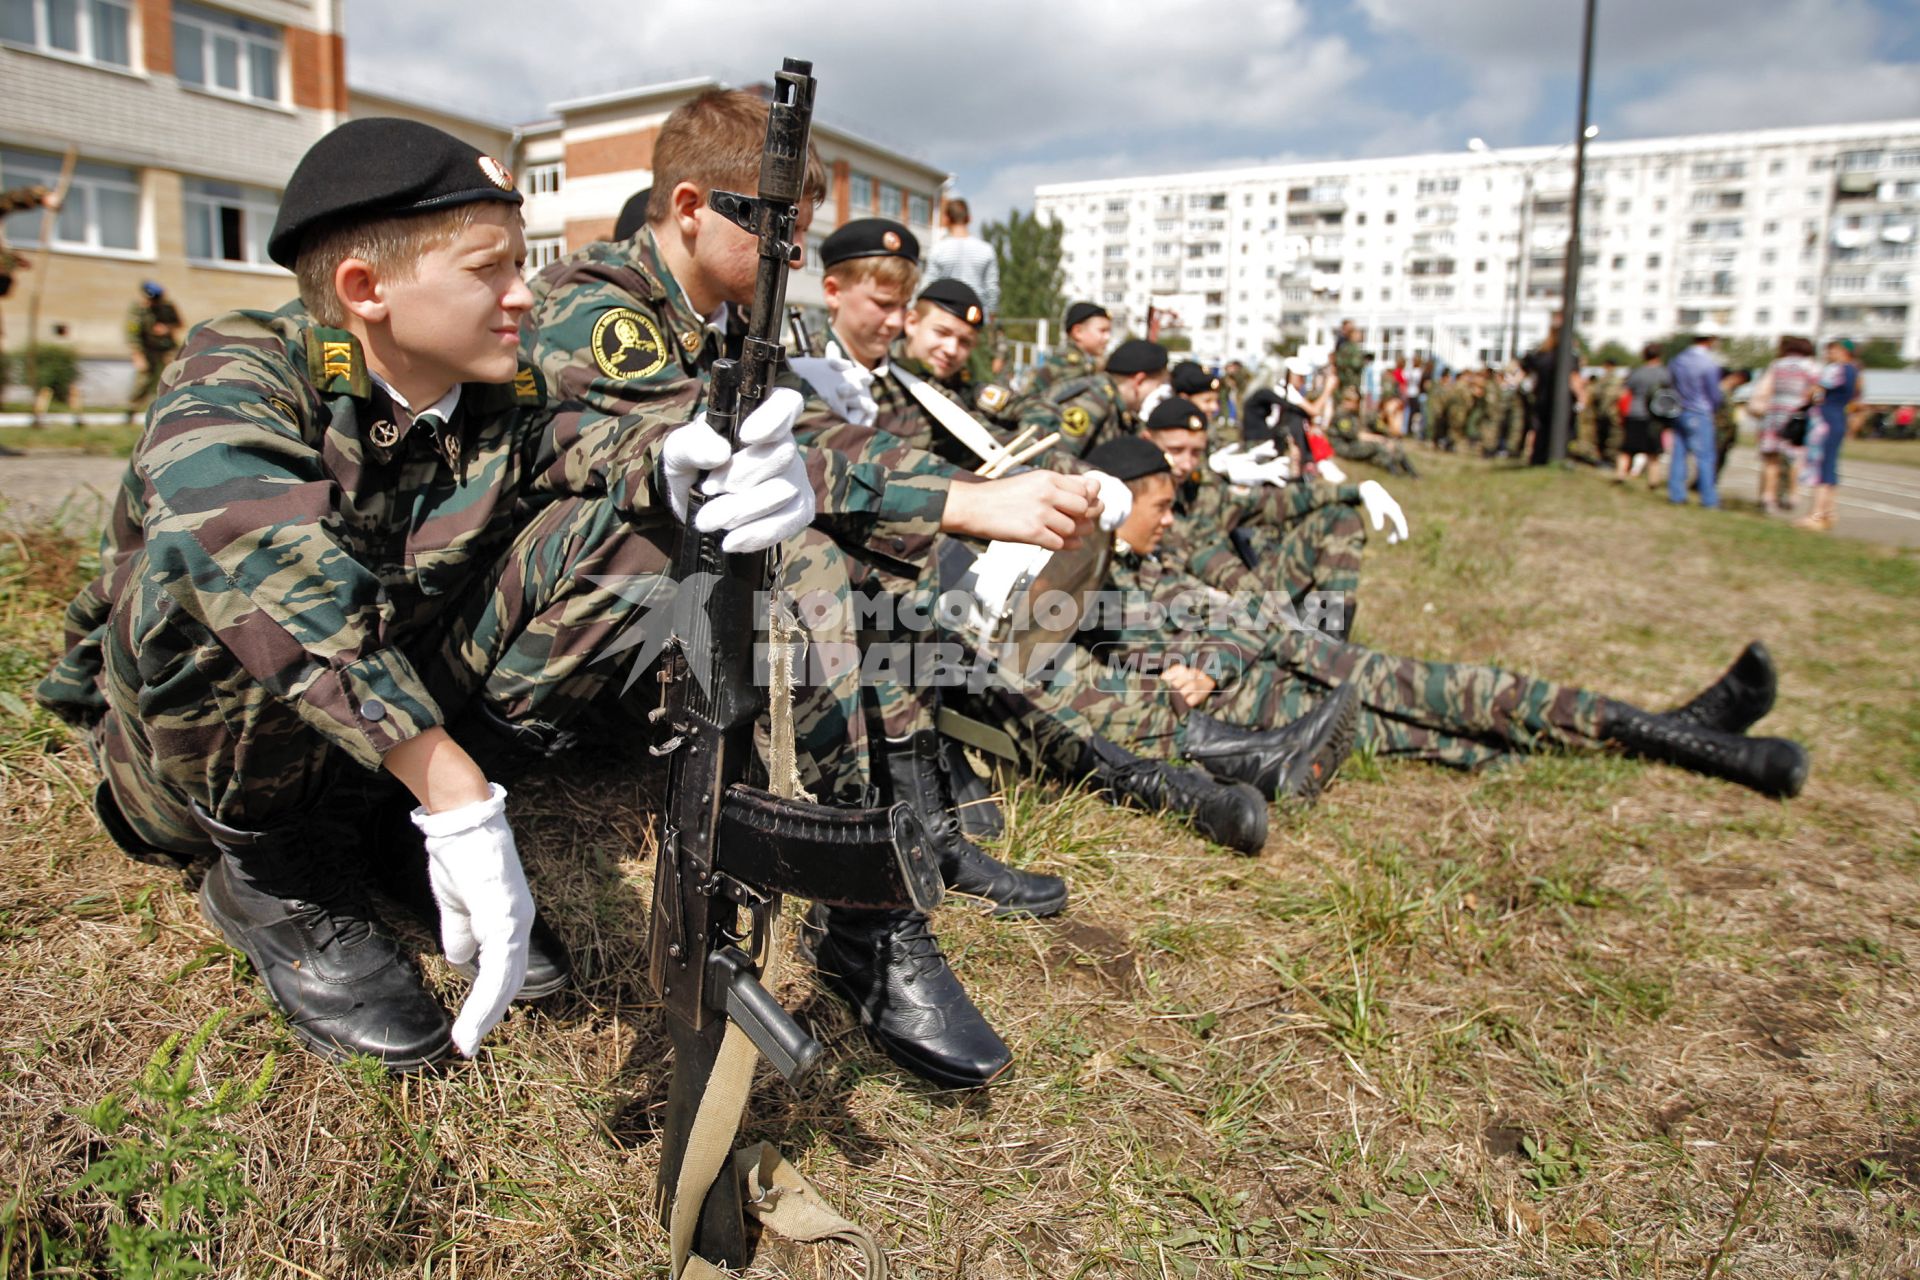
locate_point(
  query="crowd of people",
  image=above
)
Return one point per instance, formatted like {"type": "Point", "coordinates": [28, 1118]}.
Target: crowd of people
{"type": "Point", "coordinates": [374, 560]}
{"type": "Point", "coordinates": [1674, 420]}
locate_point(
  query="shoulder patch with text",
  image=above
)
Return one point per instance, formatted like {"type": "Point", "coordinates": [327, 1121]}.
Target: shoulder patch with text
{"type": "Point", "coordinates": [627, 344]}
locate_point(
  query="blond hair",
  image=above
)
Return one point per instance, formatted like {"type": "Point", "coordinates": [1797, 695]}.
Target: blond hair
{"type": "Point", "coordinates": [715, 142]}
{"type": "Point", "coordinates": [888, 272]}
{"type": "Point", "coordinates": [392, 246]}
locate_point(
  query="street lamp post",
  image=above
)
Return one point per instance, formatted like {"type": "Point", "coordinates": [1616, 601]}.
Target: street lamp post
{"type": "Point", "coordinates": [1558, 429]}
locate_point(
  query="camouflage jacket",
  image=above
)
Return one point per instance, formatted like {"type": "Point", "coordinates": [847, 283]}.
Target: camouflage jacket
{"type": "Point", "coordinates": [1205, 515]}
{"type": "Point", "coordinates": [626, 358]}
{"type": "Point", "coordinates": [1086, 412]}
{"type": "Point", "coordinates": [1064, 365]}
{"type": "Point", "coordinates": [141, 319]}
{"type": "Point", "coordinates": [1350, 366]}
{"type": "Point", "coordinates": [283, 507]}
{"type": "Point", "coordinates": [1166, 617]}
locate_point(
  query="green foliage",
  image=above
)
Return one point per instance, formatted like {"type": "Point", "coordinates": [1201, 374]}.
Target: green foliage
{"type": "Point", "coordinates": [1880, 353]}
{"type": "Point", "coordinates": [170, 1169]}
{"type": "Point", "coordinates": [1031, 280]}
{"type": "Point", "coordinates": [1732, 353]}
{"type": "Point", "coordinates": [1617, 352]}
{"type": "Point", "coordinates": [58, 368]}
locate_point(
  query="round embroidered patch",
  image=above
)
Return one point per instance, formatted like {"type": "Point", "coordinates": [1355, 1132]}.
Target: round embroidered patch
{"type": "Point", "coordinates": [627, 344]}
{"type": "Point", "coordinates": [1076, 421]}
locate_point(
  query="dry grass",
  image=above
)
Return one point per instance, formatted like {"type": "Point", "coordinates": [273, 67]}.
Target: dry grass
{"type": "Point", "coordinates": [1534, 1022]}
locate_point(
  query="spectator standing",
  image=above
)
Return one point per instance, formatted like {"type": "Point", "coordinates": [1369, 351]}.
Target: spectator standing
{"type": "Point", "coordinates": [961, 256]}
{"type": "Point", "coordinates": [153, 334]}
{"type": "Point", "coordinates": [1839, 388]}
{"type": "Point", "coordinates": [1640, 434]}
{"type": "Point", "coordinates": [1696, 380]}
{"type": "Point", "coordinates": [1785, 391]}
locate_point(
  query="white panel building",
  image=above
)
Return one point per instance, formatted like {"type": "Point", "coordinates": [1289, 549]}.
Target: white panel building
{"type": "Point", "coordinates": [1766, 232]}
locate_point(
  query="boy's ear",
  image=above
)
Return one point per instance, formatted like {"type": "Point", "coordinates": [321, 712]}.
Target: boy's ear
{"type": "Point", "coordinates": [359, 290]}
{"type": "Point", "coordinates": [830, 290]}
{"type": "Point", "coordinates": [686, 201]}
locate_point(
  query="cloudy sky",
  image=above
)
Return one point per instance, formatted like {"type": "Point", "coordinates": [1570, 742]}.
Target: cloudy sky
{"type": "Point", "coordinates": [1007, 95]}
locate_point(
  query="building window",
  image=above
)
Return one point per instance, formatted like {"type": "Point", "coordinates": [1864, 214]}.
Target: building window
{"type": "Point", "coordinates": [102, 209]}
{"type": "Point", "coordinates": [226, 54]}
{"type": "Point", "coordinates": [920, 210]}
{"type": "Point", "coordinates": [543, 251]}
{"type": "Point", "coordinates": [91, 30]}
{"type": "Point", "coordinates": [542, 180]}
{"type": "Point", "coordinates": [860, 194]}
{"type": "Point", "coordinates": [889, 201]}
{"type": "Point", "coordinates": [1858, 160]}
{"type": "Point", "coordinates": [227, 222]}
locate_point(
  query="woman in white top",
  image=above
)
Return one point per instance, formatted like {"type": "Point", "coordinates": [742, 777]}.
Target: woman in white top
{"type": "Point", "coordinates": [1782, 394]}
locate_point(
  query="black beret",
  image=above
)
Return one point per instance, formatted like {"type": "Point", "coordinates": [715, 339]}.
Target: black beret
{"type": "Point", "coordinates": [1137, 355]}
{"type": "Point", "coordinates": [1129, 458]}
{"type": "Point", "coordinates": [1083, 311]}
{"type": "Point", "coordinates": [1176, 414]}
{"type": "Point", "coordinates": [1189, 379]}
{"type": "Point", "coordinates": [633, 214]}
{"type": "Point", "coordinates": [869, 238]}
{"type": "Point", "coordinates": [379, 167]}
{"type": "Point", "coordinates": [955, 296]}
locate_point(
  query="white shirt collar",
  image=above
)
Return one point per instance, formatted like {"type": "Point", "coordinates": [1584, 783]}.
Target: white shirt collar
{"type": "Point", "coordinates": [442, 408]}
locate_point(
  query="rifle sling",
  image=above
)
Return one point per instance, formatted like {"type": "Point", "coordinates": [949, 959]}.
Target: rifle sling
{"type": "Point", "coordinates": [868, 859]}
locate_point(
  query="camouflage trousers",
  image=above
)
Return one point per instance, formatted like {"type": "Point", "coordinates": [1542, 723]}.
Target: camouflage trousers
{"type": "Point", "coordinates": [859, 673]}
{"type": "Point", "coordinates": [527, 637]}
{"type": "Point", "coordinates": [1385, 454]}
{"type": "Point", "coordinates": [1457, 714]}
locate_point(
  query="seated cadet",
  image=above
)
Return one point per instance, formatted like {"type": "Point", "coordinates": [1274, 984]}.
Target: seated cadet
{"type": "Point", "coordinates": [1088, 329]}
{"type": "Point", "coordinates": [346, 562]}
{"type": "Point", "coordinates": [1354, 439]}
{"type": "Point", "coordinates": [1451, 713]}
{"type": "Point", "coordinates": [1097, 407]}
{"type": "Point", "coordinates": [1254, 533]}
{"type": "Point", "coordinates": [626, 334]}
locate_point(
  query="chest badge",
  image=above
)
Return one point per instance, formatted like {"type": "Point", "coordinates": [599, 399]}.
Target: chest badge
{"type": "Point", "coordinates": [628, 344]}
{"type": "Point", "coordinates": [384, 434]}
{"type": "Point", "coordinates": [1076, 421]}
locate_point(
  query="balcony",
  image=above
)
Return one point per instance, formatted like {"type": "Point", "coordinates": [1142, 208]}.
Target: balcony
{"type": "Point", "coordinates": [1317, 200]}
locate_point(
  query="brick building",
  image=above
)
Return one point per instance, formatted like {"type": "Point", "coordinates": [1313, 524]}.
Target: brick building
{"type": "Point", "coordinates": [185, 120]}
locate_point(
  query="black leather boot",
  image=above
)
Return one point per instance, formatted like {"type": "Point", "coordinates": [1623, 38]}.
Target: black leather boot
{"type": "Point", "coordinates": [1771, 766]}
{"type": "Point", "coordinates": [973, 801]}
{"type": "Point", "coordinates": [1294, 762]}
{"type": "Point", "coordinates": [914, 778]}
{"type": "Point", "coordinates": [1232, 813]}
{"type": "Point", "coordinates": [888, 966]}
{"type": "Point", "coordinates": [1737, 700]}
{"type": "Point", "coordinates": [328, 964]}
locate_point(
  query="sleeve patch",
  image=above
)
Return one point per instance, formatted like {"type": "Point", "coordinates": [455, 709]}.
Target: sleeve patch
{"type": "Point", "coordinates": [994, 398]}
{"type": "Point", "coordinates": [628, 346]}
{"type": "Point", "coordinates": [1076, 421]}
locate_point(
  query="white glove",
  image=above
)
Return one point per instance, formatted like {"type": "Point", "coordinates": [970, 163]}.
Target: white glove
{"type": "Point", "coordinates": [1116, 501]}
{"type": "Point", "coordinates": [841, 383]}
{"type": "Point", "coordinates": [1381, 508]}
{"type": "Point", "coordinates": [689, 450]}
{"type": "Point", "coordinates": [761, 495]}
{"type": "Point", "coordinates": [1330, 472]}
{"type": "Point", "coordinates": [486, 908]}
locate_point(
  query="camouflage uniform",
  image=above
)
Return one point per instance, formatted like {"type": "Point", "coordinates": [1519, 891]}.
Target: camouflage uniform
{"type": "Point", "coordinates": [1064, 365]}
{"type": "Point", "coordinates": [1086, 411]}
{"type": "Point", "coordinates": [628, 357]}
{"type": "Point", "coordinates": [156, 350]}
{"type": "Point", "coordinates": [1350, 366]}
{"type": "Point", "coordinates": [1344, 433]}
{"type": "Point", "coordinates": [301, 574]}
{"type": "Point", "coordinates": [1452, 713]}
{"type": "Point", "coordinates": [1300, 538]}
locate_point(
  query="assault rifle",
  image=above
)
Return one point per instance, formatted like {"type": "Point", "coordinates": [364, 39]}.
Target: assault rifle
{"type": "Point", "coordinates": [730, 848]}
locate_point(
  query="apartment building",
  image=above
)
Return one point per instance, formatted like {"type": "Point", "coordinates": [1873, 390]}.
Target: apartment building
{"type": "Point", "coordinates": [579, 167]}
{"type": "Point", "coordinates": [184, 119]}
{"type": "Point", "coordinates": [1806, 230]}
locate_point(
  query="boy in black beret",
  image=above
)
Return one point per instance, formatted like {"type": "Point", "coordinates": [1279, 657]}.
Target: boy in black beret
{"type": "Point", "coordinates": [1087, 411]}
{"type": "Point", "coordinates": [1088, 329]}
{"type": "Point", "coordinates": [346, 572]}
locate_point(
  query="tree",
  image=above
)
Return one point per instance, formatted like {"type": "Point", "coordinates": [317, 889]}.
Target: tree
{"type": "Point", "coordinates": [1880, 353]}
{"type": "Point", "coordinates": [1732, 353]}
{"type": "Point", "coordinates": [1614, 351]}
{"type": "Point", "coordinates": [1031, 281]}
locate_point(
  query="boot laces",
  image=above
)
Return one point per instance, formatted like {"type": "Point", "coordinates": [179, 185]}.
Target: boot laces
{"type": "Point", "coordinates": [914, 940]}
{"type": "Point", "coordinates": [341, 907]}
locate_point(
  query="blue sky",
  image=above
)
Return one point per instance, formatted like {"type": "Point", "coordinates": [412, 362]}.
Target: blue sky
{"type": "Point", "coordinates": [1008, 94]}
